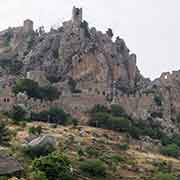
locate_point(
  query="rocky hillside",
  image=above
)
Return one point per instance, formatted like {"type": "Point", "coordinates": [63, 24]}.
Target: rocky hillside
{"type": "Point", "coordinates": [87, 67]}
{"type": "Point", "coordinates": [98, 117]}
{"type": "Point", "coordinates": [93, 154]}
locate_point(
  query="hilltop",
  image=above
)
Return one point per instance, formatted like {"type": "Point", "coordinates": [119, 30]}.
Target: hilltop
{"type": "Point", "coordinates": [80, 78]}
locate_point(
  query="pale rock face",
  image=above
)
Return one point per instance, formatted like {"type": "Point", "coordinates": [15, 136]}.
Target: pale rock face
{"type": "Point", "coordinates": [99, 66]}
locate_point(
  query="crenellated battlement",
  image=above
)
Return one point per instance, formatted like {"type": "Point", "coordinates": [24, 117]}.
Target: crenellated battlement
{"type": "Point", "coordinates": [77, 15]}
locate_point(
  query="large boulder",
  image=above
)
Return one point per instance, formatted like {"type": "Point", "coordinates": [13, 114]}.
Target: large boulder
{"type": "Point", "coordinates": [40, 146]}
{"type": "Point", "coordinates": [9, 165]}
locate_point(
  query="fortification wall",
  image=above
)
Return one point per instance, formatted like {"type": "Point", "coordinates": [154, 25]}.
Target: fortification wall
{"type": "Point", "coordinates": [137, 106]}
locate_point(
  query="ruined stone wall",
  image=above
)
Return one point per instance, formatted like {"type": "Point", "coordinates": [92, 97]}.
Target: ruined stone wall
{"type": "Point", "coordinates": [7, 99]}
{"type": "Point", "coordinates": [72, 104]}
{"type": "Point", "coordinates": [137, 106]}
{"type": "Point", "coordinates": [38, 76]}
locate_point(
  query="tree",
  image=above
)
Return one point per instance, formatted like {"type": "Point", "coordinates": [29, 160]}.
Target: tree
{"type": "Point", "coordinates": [119, 123]}
{"type": "Point", "coordinates": [58, 116]}
{"type": "Point", "coordinates": [33, 89]}
{"type": "Point", "coordinates": [171, 150]}
{"type": "Point", "coordinates": [99, 108]}
{"type": "Point", "coordinates": [158, 100]}
{"type": "Point", "coordinates": [4, 135]}
{"type": "Point", "coordinates": [26, 85]}
{"type": "Point", "coordinates": [18, 113]}
{"type": "Point", "coordinates": [38, 175]}
{"type": "Point", "coordinates": [99, 119]}
{"type": "Point", "coordinates": [163, 176]}
{"type": "Point", "coordinates": [48, 93]}
{"type": "Point", "coordinates": [117, 110]}
{"type": "Point", "coordinates": [55, 166]}
{"type": "Point", "coordinates": [93, 167]}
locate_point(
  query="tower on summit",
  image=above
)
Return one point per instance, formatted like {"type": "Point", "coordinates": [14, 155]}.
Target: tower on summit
{"type": "Point", "coordinates": [28, 26]}
{"type": "Point", "coordinates": [77, 15]}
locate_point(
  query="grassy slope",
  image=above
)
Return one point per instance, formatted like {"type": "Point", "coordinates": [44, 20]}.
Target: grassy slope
{"type": "Point", "coordinates": [138, 162]}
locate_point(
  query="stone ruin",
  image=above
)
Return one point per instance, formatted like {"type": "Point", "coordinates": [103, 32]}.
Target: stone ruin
{"type": "Point", "coordinates": [104, 71]}
{"type": "Point", "coordinates": [28, 26]}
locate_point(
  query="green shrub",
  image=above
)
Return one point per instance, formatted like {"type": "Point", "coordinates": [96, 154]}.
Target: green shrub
{"type": "Point", "coordinates": [162, 166]}
{"type": "Point", "coordinates": [3, 178]}
{"type": "Point", "coordinates": [117, 159]}
{"type": "Point", "coordinates": [117, 110]}
{"type": "Point", "coordinates": [135, 132]}
{"type": "Point", "coordinates": [75, 121]}
{"type": "Point", "coordinates": [119, 123]}
{"type": "Point", "coordinates": [93, 167]}
{"type": "Point", "coordinates": [38, 175]}
{"type": "Point", "coordinates": [18, 113]}
{"type": "Point", "coordinates": [48, 93]}
{"type": "Point", "coordinates": [123, 147]}
{"type": "Point", "coordinates": [171, 150]}
{"type": "Point", "coordinates": [53, 115]}
{"type": "Point", "coordinates": [158, 100]}
{"type": "Point", "coordinates": [81, 152]}
{"type": "Point", "coordinates": [92, 152]}
{"type": "Point", "coordinates": [33, 89]}
{"type": "Point", "coordinates": [105, 120]}
{"type": "Point", "coordinates": [35, 130]}
{"type": "Point", "coordinates": [142, 129]}
{"type": "Point", "coordinates": [26, 85]}
{"type": "Point", "coordinates": [99, 119]}
{"type": "Point", "coordinates": [39, 150]}
{"type": "Point", "coordinates": [99, 109]}
{"type": "Point", "coordinates": [55, 166]}
{"type": "Point", "coordinates": [164, 176]}
{"type": "Point", "coordinates": [58, 116]}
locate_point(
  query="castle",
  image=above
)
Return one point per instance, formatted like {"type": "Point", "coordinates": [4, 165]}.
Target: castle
{"type": "Point", "coordinates": [86, 67]}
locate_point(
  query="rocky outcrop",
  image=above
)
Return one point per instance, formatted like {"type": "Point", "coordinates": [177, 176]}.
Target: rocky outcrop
{"type": "Point", "coordinates": [9, 165]}
{"type": "Point", "coordinates": [84, 63]}
{"type": "Point", "coordinates": [84, 54]}
{"type": "Point", "coordinates": [41, 142]}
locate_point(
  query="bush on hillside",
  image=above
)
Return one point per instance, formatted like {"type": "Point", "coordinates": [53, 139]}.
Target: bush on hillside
{"type": "Point", "coordinates": [54, 166]}
{"type": "Point", "coordinates": [158, 100]}
{"type": "Point", "coordinates": [99, 109]}
{"type": "Point", "coordinates": [93, 167]}
{"type": "Point", "coordinates": [18, 113]}
{"type": "Point", "coordinates": [35, 130]}
{"type": "Point", "coordinates": [171, 150]}
{"type": "Point", "coordinates": [121, 124]}
{"type": "Point", "coordinates": [99, 119]}
{"type": "Point", "coordinates": [38, 175]}
{"type": "Point", "coordinates": [117, 110]}
{"type": "Point", "coordinates": [53, 115]}
{"type": "Point", "coordinates": [33, 90]}
{"type": "Point", "coordinates": [163, 176]}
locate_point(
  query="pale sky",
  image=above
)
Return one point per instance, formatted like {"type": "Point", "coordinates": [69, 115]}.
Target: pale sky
{"type": "Point", "coordinates": [151, 28]}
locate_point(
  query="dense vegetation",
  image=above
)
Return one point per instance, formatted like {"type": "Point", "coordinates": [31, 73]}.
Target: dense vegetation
{"type": "Point", "coordinates": [53, 115]}
{"type": "Point", "coordinates": [115, 118]}
{"type": "Point", "coordinates": [54, 166]}
{"type": "Point", "coordinates": [33, 90]}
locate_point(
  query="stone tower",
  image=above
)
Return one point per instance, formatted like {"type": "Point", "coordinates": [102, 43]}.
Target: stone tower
{"type": "Point", "coordinates": [77, 15]}
{"type": "Point", "coordinates": [28, 26]}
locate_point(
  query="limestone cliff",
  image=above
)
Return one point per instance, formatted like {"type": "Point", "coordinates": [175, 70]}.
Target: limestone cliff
{"type": "Point", "coordinates": [77, 58]}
